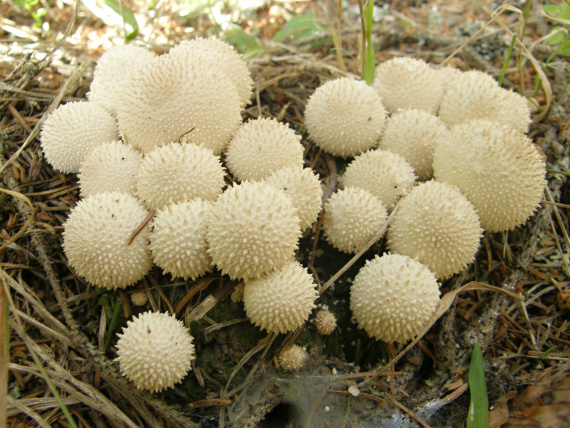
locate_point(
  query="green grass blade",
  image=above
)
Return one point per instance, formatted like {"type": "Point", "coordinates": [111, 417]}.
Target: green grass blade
{"type": "Point", "coordinates": [128, 16]}
{"type": "Point", "coordinates": [507, 59]}
{"type": "Point", "coordinates": [479, 407]}
{"type": "Point", "coordinates": [369, 58]}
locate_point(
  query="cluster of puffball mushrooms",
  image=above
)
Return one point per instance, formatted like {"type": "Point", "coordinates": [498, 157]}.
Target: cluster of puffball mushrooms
{"type": "Point", "coordinates": [149, 139]}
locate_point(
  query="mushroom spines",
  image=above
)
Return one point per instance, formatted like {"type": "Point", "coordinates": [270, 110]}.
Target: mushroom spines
{"type": "Point", "coordinates": [345, 117]}
{"type": "Point", "coordinates": [437, 226]}
{"type": "Point", "coordinates": [292, 358]}
{"type": "Point", "coordinates": [252, 230]}
{"type": "Point", "coordinates": [282, 300]}
{"type": "Point", "coordinates": [393, 297]}
{"type": "Point", "coordinates": [155, 351]}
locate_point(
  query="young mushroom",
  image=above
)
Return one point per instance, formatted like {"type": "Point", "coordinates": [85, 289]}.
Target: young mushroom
{"type": "Point", "coordinates": [293, 358]}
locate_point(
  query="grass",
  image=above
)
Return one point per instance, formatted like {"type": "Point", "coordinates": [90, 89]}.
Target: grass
{"type": "Point", "coordinates": [479, 408]}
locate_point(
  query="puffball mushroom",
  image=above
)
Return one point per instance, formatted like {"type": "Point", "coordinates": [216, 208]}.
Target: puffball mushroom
{"type": "Point", "coordinates": [216, 54]}
{"type": "Point", "coordinates": [292, 358]}
{"type": "Point", "coordinates": [178, 239]}
{"type": "Point", "coordinates": [496, 167]}
{"type": "Point", "coordinates": [393, 297]}
{"type": "Point", "coordinates": [325, 322]}
{"type": "Point", "coordinates": [177, 173]}
{"type": "Point", "coordinates": [304, 189]}
{"type": "Point", "coordinates": [413, 134]}
{"type": "Point", "coordinates": [345, 117]}
{"type": "Point", "coordinates": [72, 130]}
{"type": "Point", "coordinates": [95, 240]}
{"type": "Point", "coordinates": [477, 96]}
{"type": "Point", "coordinates": [155, 351]}
{"type": "Point", "coordinates": [385, 174]}
{"type": "Point", "coordinates": [408, 83]}
{"type": "Point", "coordinates": [282, 300]}
{"type": "Point", "coordinates": [352, 217]}
{"type": "Point", "coordinates": [110, 167]}
{"type": "Point", "coordinates": [437, 226]}
{"type": "Point", "coordinates": [252, 230]}
{"type": "Point", "coordinates": [262, 146]}
{"type": "Point", "coordinates": [113, 70]}
{"type": "Point", "coordinates": [174, 98]}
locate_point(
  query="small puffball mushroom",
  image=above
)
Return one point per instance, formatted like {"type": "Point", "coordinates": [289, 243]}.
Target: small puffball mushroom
{"type": "Point", "coordinates": [405, 83]}
{"type": "Point", "coordinates": [304, 189]}
{"type": "Point", "coordinates": [110, 167]}
{"type": "Point", "coordinates": [496, 167]}
{"type": "Point", "coordinates": [72, 130]}
{"type": "Point", "coordinates": [393, 297]}
{"type": "Point", "coordinates": [352, 217]}
{"type": "Point", "coordinates": [176, 99]}
{"type": "Point", "coordinates": [345, 117]}
{"type": "Point", "coordinates": [252, 230]}
{"type": "Point", "coordinates": [385, 174]}
{"type": "Point", "coordinates": [95, 240]}
{"type": "Point", "coordinates": [113, 70]}
{"type": "Point", "coordinates": [325, 322]}
{"type": "Point", "coordinates": [177, 173]}
{"type": "Point", "coordinates": [155, 351]}
{"type": "Point", "coordinates": [292, 358]}
{"type": "Point", "coordinates": [139, 298]}
{"type": "Point", "coordinates": [217, 54]}
{"type": "Point", "coordinates": [413, 134]}
{"type": "Point", "coordinates": [477, 96]}
{"type": "Point", "coordinates": [178, 239]}
{"type": "Point", "coordinates": [437, 226]}
{"type": "Point", "coordinates": [262, 146]}
{"type": "Point", "coordinates": [281, 301]}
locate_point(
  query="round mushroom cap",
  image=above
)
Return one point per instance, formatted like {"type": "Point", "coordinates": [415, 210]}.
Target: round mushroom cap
{"type": "Point", "coordinates": [176, 99]}
{"type": "Point", "coordinates": [155, 351]}
{"type": "Point", "coordinates": [95, 240]}
{"type": "Point", "coordinates": [352, 217]}
{"type": "Point", "coordinates": [262, 146]}
{"type": "Point", "coordinates": [413, 134]}
{"type": "Point", "coordinates": [252, 230]}
{"type": "Point", "coordinates": [437, 226]}
{"type": "Point", "coordinates": [496, 167]}
{"type": "Point", "coordinates": [405, 83]}
{"type": "Point", "coordinates": [304, 189]}
{"type": "Point", "coordinates": [345, 117]}
{"type": "Point", "coordinates": [217, 54]}
{"type": "Point", "coordinates": [292, 358]}
{"type": "Point", "coordinates": [72, 130]}
{"type": "Point", "coordinates": [325, 322]}
{"type": "Point", "coordinates": [178, 239]}
{"type": "Point", "coordinates": [448, 75]}
{"type": "Point", "coordinates": [477, 96]}
{"type": "Point", "coordinates": [281, 301]}
{"type": "Point", "coordinates": [110, 167]}
{"type": "Point", "coordinates": [177, 173]}
{"type": "Point", "coordinates": [393, 297]}
{"type": "Point", "coordinates": [139, 298]}
{"type": "Point", "coordinates": [112, 72]}
{"type": "Point", "coordinates": [385, 174]}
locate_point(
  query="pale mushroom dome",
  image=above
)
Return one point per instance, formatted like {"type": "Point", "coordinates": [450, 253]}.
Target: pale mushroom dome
{"type": "Point", "coordinates": [345, 117]}
{"type": "Point", "coordinates": [325, 322]}
{"type": "Point", "coordinates": [262, 146]}
{"type": "Point", "coordinates": [413, 134]}
{"type": "Point", "coordinates": [352, 217]}
{"type": "Point", "coordinates": [393, 297]}
{"type": "Point", "coordinates": [293, 358]}
{"type": "Point", "coordinates": [304, 189]}
{"type": "Point", "coordinates": [437, 226]}
{"type": "Point", "coordinates": [113, 70]}
{"type": "Point", "coordinates": [408, 83]}
{"type": "Point", "coordinates": [110, 167]}
{"type": "Point", "coordinates": [178, 239]}
{"type": "Point", "coordinates": [496, 167]}
{"type": "Point", "coordinates": [176, 99]}
{"type": "Point", "coordinates": [72, 130]}
{"type": "Point", "coordinates": [385, 174]}
{"type": "Point", "coordinates": [217, 54]}
{"type": "Point", "coordinates": [155, 351]}
{"type": "Point", "coordinates": [252, 230]}
{"type": "Point", "coordinates": [95, 240]}
{"type": "Point", "coordinates": [177, 173]}
{"type": "Point", "coordinates": [281, 301]}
